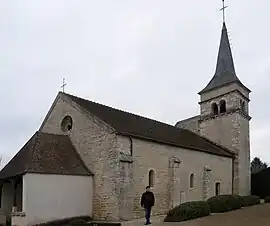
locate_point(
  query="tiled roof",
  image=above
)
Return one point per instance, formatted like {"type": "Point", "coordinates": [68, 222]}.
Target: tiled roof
{"type": "Point", "coordinates": [46, 153]}
{"type": "Point", "coordinates": [144, 128]}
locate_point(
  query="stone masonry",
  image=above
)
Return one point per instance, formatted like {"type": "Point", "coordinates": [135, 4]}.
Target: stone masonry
{"type": "Point", "coordinates": [121, 166]}
{"type": "Point", "coordinates": [173, 167]}
{"type": "Point", "coordinates": [191, 124]}
{"type": "Point", "coordinates": [230, 129]}
{"type": "Point", "coordinates": [96, 144]}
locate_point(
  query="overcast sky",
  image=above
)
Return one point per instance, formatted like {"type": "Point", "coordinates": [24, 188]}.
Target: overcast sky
{"type": "Point", "coordinates": [147, 57]}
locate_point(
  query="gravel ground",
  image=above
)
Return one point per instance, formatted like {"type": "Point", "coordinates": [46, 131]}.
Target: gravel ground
{"type": "Point", "coordinates": [249, 216]}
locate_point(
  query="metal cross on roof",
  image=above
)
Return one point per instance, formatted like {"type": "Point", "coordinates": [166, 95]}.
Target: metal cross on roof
{"type": "Point", "coordinates": [64, 84]}
{"type": "Point", "coordinates": [223, 9]}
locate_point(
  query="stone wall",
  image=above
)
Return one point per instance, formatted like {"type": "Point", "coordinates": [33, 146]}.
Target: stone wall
{"type": "Point", "coordinates": [191, 124]}
{"type": "Point", "coordinates": [121, 166]}
{"type": "Point", "coordinates": [96, 144]}
{"type": "Point", "coordinates": [172, 167]}
{"type": "Point", "coordinates": [230, 129]}
{"type": "Point", "coordinates": [232, 103]}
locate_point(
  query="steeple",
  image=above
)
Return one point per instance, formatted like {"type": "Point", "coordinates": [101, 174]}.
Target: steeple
{"type": "Point", "coordinates": [225, 71]}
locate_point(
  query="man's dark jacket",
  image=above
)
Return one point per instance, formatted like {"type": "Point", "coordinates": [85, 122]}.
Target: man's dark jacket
{"type": "Point", "coordinates": [148, 199]}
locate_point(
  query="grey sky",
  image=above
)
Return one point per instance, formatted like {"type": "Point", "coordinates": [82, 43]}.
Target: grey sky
{"type": "Point", "coordinates": [147, 57]}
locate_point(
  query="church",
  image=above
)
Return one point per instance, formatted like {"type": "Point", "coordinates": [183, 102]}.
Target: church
{"type": "Point", "coordinates": [88, 159]}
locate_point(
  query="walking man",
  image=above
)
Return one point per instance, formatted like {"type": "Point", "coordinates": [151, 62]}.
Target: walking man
{"type": "Point", "coordinates": [147, 202]}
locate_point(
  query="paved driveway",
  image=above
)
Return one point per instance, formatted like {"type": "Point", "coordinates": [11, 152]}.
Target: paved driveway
{"type": "Point", "coordinates": [250, 216]}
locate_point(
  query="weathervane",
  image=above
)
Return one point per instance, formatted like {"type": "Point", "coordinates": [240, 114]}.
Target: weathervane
{"type": "Point", "coordinates": [64, 84]}
{"type": "Point", "coordinates": [223, 9]}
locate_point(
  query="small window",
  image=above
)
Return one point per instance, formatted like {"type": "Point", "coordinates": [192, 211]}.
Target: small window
{"type": "Point", "coordinates": [151, 178]}
{"type": "Point", "coordinates": [191, 181]}
{"type": "Point", "coordinates": [242, 105]}
{"type": "Point", "coordinates": [222, 105]}
{"type": "Point", "coordinates": [217, 188]}
{"type": "Point", "coordinates": [66, 124]}
{"type": "Point", "coordinates": [214, 109]}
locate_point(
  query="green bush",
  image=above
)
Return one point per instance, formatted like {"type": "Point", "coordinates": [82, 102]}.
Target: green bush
{"type": "Point", "coordinates": [224, 203]}
{"type": "Point", "coordinates": [239, 199]}
{"type": "Point", "coordinates": [267, 199]}
{"type": "Point", "coordinates": [250, 200]}
{"type": "Point", "coordinates": [77, 222]}
{"type": "Point", "coordinates": [65, 221]}
{"type": "Point", "coordinates": [188, 211]}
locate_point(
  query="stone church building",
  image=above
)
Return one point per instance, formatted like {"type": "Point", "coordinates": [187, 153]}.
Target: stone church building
{"type": "Point", "coordinates": [91, 159]}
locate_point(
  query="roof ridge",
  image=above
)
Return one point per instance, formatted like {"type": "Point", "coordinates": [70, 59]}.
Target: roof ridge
{"type": "Point", "coordinates": [131, 124]}
{"type": "Point", "coordinates": [46, 154]}
{"type": "Point", "coordinates": [187, 119]}
{"type": "Point", "coordinates": [117, 109]}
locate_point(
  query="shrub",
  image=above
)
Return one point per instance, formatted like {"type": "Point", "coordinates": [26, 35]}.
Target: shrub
{"type": "Point", "coordinates": [224, 203]}
{"type": "Point", "coordinates": [77, 222]}
{"type": "Point", "coordinates": [250, 200]}
{"type": "Point", "coordinates": [64, 222]}
{"type": "Point", "coordinates": [267, 199]}
{"type": "Point", "coordinates": [188, 211]}
{"type": "Point", "coordinates": [239, 199]}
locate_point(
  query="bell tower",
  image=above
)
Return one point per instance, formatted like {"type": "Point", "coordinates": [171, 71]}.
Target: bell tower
{"type": "Point", "coordinates": [224, 113]}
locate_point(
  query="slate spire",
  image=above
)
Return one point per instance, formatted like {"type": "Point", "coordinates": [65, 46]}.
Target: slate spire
{"type": "Point", "coordinates": [225, 71]}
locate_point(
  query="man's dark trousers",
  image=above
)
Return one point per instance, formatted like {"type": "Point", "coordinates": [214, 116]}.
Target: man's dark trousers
{"type": "Point", "coordinates": [147, 214]}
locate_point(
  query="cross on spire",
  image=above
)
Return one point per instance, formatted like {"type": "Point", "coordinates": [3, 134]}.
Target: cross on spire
{"type": "Point", "coordinates": [223, 9]}
{"type": "Point", "coordinates": [63, 85]}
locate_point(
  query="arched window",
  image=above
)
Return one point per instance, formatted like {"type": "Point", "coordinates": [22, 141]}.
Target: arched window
{"type": "Point", "coordinates": [217, 188]}
{"type": "Point", "coordinates": [66, 124]}
{"type": "Point", "coordinates": [191, 181]}
{"type": "Point", "coordinates": [214, 108]}
{"type": "Point", "coordinates": [151, 178]}
{"type": "Point", "coordinates": [222, 106]}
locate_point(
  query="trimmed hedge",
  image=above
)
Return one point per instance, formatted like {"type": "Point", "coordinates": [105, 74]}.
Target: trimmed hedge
{"type": "Point", "coordinates": [104, 224]}
{"type": "Point", "coordinates": [77, 222]}
{"type": "Point", "coordinates": [65, 222]}
{"type": "Point", "coordinates": [267, 199]}
{"type": "Point", "coordinates": [250, 200]}
{"type": "Point", "coordinates": [188, 211]}
{"type": "Point", "coordinates": [239, 199]}
{"type": "Point", "coordinates": [224, 203]}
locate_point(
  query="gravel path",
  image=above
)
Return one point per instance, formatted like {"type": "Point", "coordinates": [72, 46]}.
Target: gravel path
{"type": "Point", "coordinates": [250, 216]}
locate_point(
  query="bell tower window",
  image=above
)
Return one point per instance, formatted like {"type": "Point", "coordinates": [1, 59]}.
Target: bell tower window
{"type": "Point", "coordinates": [222, 106]}
{"type": "Point", "coordinates": [214, 108]}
